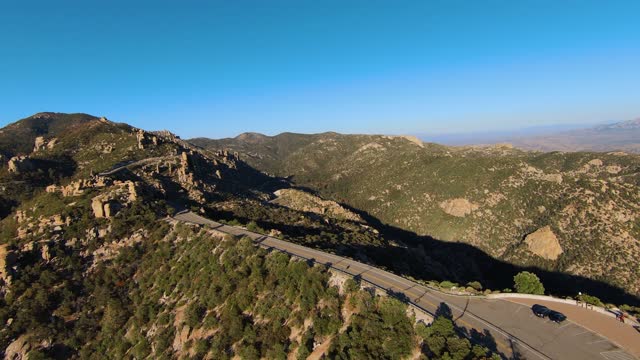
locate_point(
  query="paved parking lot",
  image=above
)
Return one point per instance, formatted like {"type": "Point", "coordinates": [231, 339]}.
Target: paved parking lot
{"type": "Point", "coordinates": [583, 322]}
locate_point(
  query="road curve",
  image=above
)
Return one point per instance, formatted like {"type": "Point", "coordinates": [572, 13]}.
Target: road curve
{"type": "Point", "coordinates": [135, 163]}
{"type": "Point", "coordinates": [516, 332]}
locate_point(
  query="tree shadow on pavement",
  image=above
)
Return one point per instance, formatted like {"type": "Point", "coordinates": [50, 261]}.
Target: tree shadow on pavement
{"type": "Point", "coordinates": [444, 310]}
{"type": "Point", "coordinates": [483, 338]}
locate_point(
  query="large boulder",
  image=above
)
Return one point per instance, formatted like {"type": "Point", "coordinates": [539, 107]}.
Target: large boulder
{"type": "Point", "coordinates": [458, 207]}
{"type": "Point", "coordinates": [544, 243]}
{"type": "Point", "coordinates": [97, 205]}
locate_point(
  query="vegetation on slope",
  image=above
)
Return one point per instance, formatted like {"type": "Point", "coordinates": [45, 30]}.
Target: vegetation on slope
{"type": "Point", "coordinates": [181, 292]}
{"type": "Point", "coordinates": [490, 198]}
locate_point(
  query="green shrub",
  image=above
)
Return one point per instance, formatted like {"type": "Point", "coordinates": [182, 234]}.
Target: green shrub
{"type": "Point", "coordinates": [476, 285]}
{"type": "Point", "coordinates": [193, 314]}
{"type": "Point", "coordinates": [589, 299]}
{"type": "Point", "coordinates": [528, 283]}
{"type": "Point", "coordinates": [447, 284]}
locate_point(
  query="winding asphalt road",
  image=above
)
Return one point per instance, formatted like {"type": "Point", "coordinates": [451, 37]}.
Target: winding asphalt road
{"type": "Point", "coordinates": [130, 164]}
{"type": "Point", "coordinates": [512, 327]}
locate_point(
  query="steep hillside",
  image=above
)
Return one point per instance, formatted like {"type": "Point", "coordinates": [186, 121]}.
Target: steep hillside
{"type": "Point", "coordinates": [563, 212]}
{"type": "Point", "coordinates": [19, 137]}
{"type": "Point", "coordinates": [269, 150]}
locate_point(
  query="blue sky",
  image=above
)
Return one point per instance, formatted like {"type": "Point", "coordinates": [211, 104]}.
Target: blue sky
{"type": "Point", "coordinates": [219, 68]}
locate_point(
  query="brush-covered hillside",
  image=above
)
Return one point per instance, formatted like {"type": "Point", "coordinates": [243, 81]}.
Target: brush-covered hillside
{"type": "Point", "coordinates": [93, 266]}
{"type": "Point", "coordinates": [574, 213]}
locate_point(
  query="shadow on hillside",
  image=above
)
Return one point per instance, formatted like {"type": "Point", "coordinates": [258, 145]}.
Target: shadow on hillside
{"type": "Point", "coordinates": [465, 263]}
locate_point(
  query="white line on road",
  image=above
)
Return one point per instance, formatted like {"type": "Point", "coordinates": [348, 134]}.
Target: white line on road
{"type": "Point", "coordinates": [597, 341]}
{"type": "Point", "coordinates": [616, 355]}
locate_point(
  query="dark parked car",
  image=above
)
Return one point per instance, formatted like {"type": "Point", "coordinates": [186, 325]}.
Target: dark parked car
{"type": "Point", "coordinates": [540, 311]}
{"type": "Point", "coordinates": [556, 316]}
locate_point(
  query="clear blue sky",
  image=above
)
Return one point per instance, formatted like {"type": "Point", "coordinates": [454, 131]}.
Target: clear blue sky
{"type": "Point", "coordinates": [218, 68]}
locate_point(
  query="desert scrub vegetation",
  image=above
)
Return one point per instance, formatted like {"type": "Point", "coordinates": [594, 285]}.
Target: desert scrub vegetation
{"type": "Point", "coordinates": [185, 293]}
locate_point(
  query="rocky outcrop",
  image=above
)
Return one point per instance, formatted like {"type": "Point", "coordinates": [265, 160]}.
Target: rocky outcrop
{"type": "Point", "coordinates": [7, 260]}
{"type": "Point", "coordinates": [458, 207]}
{"type": "Point", "coordinates": [595, 162]}
{"type": "Point", "coordinates": [613, 169]}
{"type": "Point", "coordinates": [544, 243]}
{"type": "Point", "coordinates": [52, 143]}
{"type": "Point", "coordinates": [409, 138]}
{"type": "Point", "coordinates": [145, 139]}
{"type": "Point", "coordinates": [97, 205]}
{"type": "Point", "coordinates": [413, 139]}
{"type": "Point", "coordinates": [121, 194]}
{"type": "Point", "coordinates": [21, 216]}
{"type": "Point", "coordinates": [18, 164]}
{"type": "Point", "coordinates": [109, 209]}
{"type": "Point", "coordinates": [77, 188]}
{"type": "Point", "coordinates": [141, 139]}
{"type": "Point", "coordinates": [39, 144]}
{"type": "Point", "coordinates": [45, 252]}
{"type": "Point", "coordinates": [556, 178]}
{"type": "Point", "coordinates": [302, 201]}
{"type": "Point", "coordinates": [18, 349]}
{"type": "Point", "coordinates": [181, 338]}
{"type": "Point", "coordinates": [133, 192]}
{"type": "Point", "coordinates": [103, 207]}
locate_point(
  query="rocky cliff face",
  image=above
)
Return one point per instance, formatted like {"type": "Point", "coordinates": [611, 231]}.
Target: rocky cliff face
{"type": "Point", "coordinates": [303, 201]}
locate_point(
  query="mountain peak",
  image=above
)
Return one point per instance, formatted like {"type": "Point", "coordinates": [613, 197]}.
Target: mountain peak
{"type": "Point", "coordinates": [251, 137]}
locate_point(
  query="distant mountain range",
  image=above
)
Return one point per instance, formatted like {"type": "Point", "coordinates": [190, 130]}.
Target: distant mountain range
{"type": "Point", "coordinates": [618, 136]}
